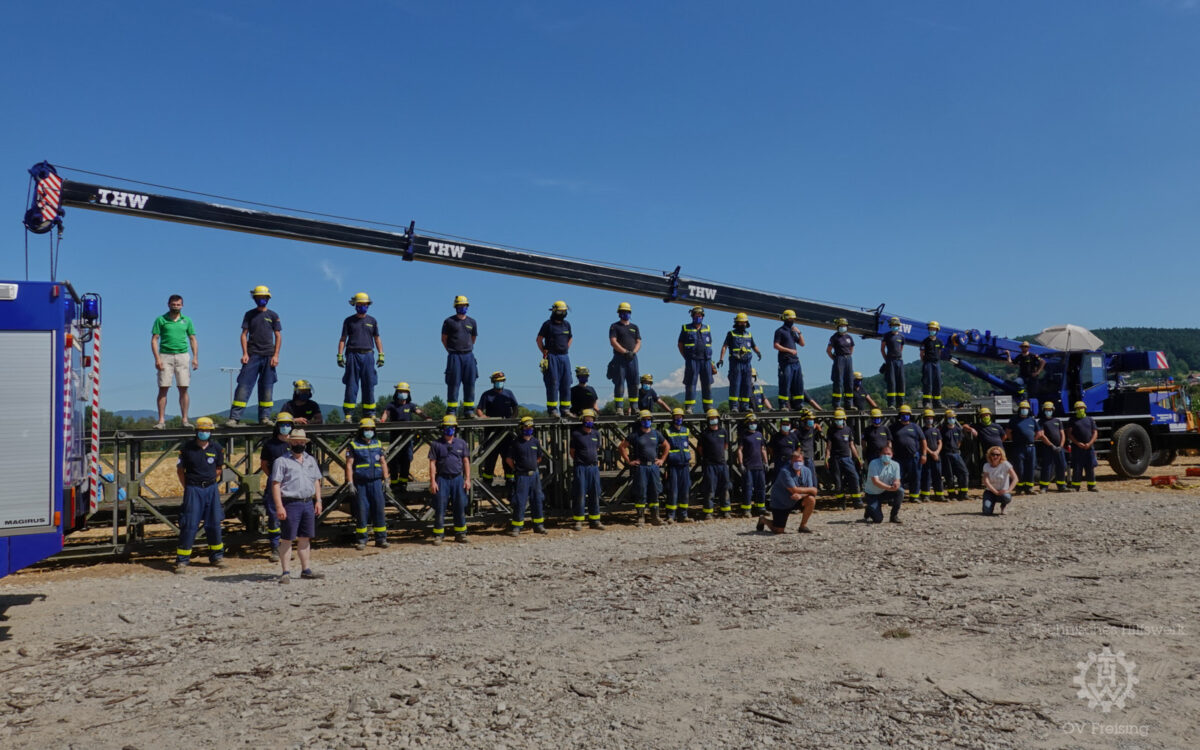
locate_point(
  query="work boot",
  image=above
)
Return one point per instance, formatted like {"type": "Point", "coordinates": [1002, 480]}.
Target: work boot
{"type": "Point", "coordinates": [1093, 488]}
{"type": "Point", "coordinates": [654, 519]}
{"type": "Point", "coordinates": [725, 515]}
{"type": "Point", "coordinates": [438, 539]}
{"type": "Point", "coordinates": [577, 526]}
{"type": "Point", "coordinates": [219, 563]}
{"type": "Point", "coordinates": [382, 543]}
{"type": "Point", "coordinates": [641, 517]}
{"type": "Point", "coordinates": [268, 422]}
{"type": "Point", "coordinates": [685, 518]}
{"type": "Point", "coordinates": [762, 523]}
{"type": "Point", "coordinates": [514, 531]}
{"type": "Point", "coordinates": [539, 529]}
{"type": "Point", "coordinates": [669, 518]}
{"type": "Point", "coordinates": [894, 519]}
{"type": "Point", "coordinates": [461, 538]}
{"type": "Point", "coordinates": [232, 423]}
{"type": "Point", "coordinates": [360, 545]}
{"type": "Point", "coordinates": [595, 524]}
{"type": "Point", "coordinates": [180, 568]}
{"type": "Point", "coordinates": [273, 555]}
{"type": "Point", "coordinates": [552, 413]}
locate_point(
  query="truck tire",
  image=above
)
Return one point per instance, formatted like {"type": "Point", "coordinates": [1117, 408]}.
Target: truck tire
{"type": "Point", "coordinates": [1163, 457]}
{"type": "Point", "coordinates": [1129, 451]}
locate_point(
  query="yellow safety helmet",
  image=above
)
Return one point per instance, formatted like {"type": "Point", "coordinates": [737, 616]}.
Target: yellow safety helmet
{"type": "Point", "coordinates": [876, 413]}
{"type": "Point", "coordinates": [934, 325]}
{"type": "Point", "coordinates": [928, 413]}
{"type": "Point", "coordinates": [402, 386]}
{"type": "Point", "coordinates": [1079, 405]}
{"type": "Point", "coordinates": [750, 415]}
{"type": "Point", "coordinates": [624, 307]}
{"type": "Point", "coordinates": [788, 315]}
{"type": "Point", "coordinates": [985, 410]}
{"type": "Point", "coordinates": [1047, 403]}
{"type": "Point", "coordinates": [741, 318]}
{"type": "Point", "coordinates": [1023, 405]}
{"type": "Point", "coordinates": [840, 322]}
{"type": "Point", "coordinates": [559, 306]}
{"type": "Point", "coordinates": [283, 416]}
{"type": "Point", "coordinates": [949, 413]}
{"type": "Point", "coordinates": [261, 291]}
{"type": "Point", "coordinates": [581, 370]}
{"type": "Point", "coordinates": [461, 300]}
{"type": "Point", "coordinates": [301, 385]}
{"type": "Point", "coordinates": [647, 378]}
{"type": "Point", "coordinates": [362, 298]}
{"type": "Point", "coordinates": [525, 420]}
{"type": "Point", "coordinates": [858, 376]}
{"type": "Point", "coordinates": [365, 423]}
{"type": "Point", "coordinates": [905, 409]}
{"type": "Point", "coordinates": [677, 412]}
{"type": "Point", "coordinates": [204, 423]}
{"type": "Point", "coordinates": [645, 414]}
{"type": "Point", "coordinates": [893, 321]}
{"type": "Point", "coordinates": [498, 375]}
{"type": "Point", "coordinates": [449, 420]}
{"type": "Point", "coordinates": [696, 310]}
{"type": "Point", "coordinates": [712, 413]}
{"type": "Point", "coordinates": [753, 372]}
{"type": "Point", "coordinates": [588, 413]}
{"type": "Point", "coordinates": [839, 413]}
{"type": "Point", "coordinates": [806, 412]}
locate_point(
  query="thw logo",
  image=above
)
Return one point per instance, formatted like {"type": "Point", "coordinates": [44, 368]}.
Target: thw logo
{"type": "Point", "coordinates": [701, 292]}
{"type": "Point", "coordinates": [446, 249]}
{"type": "Point", "coordinates": [122, 200]}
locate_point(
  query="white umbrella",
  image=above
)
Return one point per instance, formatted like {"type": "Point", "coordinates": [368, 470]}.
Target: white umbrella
{"type": "Point", "coordinates": [1069, 338]}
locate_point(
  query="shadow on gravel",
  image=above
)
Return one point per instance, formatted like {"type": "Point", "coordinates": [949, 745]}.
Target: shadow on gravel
{"type": "Point", "coordinates": [244, 578]}
{"type": "Point", "coordinates": [14, 600]}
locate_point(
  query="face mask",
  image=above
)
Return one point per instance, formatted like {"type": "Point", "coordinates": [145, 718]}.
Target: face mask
{"type": "Point", "coordinates": [810, 423]}
{"type": "Point", "coordinates": [461, 309]}
{"type": "Point", "coordinates": [1024, 412]}
{"type": "Point", "coordinates": [697, 318]}
{"type": "Point", "coordinates": [841, 329]}
{"type": "Point", "coordinates": [886, 460]}
{"type": "Point", "coordinates": [261, 301]}
{"type": "Point", "coordinates": [448, 431]}
{"type": "Point", "coordinates": [713, 422]}
{"type": "Point", "coordinates": [1081, 413]}
{"type": "Point", "coordinates": [301, 395]}
{"type": "Point", "coordinates": [678, 421]}
{"type": "Point", "coordinates": [285, 429]}
{"type": "Point", "coordinates": [645, 386]}
{"type": "Point", "coordinates": [840, 422]}
{"type": "Point", "coordinates": [876, 420]}
{"type": "Point", "coordinates": [952, 420]}
{"type": "Point", "coordinates": [368, 434]}
{"type": "Point", "coordinates": [646, 422]}
{"type": "Point", "coordinates": [498, 384]}
{"type": "Point", "coordinates": [589, 425]}
{"type": "Point", "coordinates": [797, 465]}
{"type": "Point", "coordinates": [623, 315]}
{"type": "Point", "coordinates": [785, 428]}
{"type": "Point", "coordinates": [203, 435]}
{"type": "Point", "coordinates": [360, 309]}
{"type": "Point", "coordinates": [558, 315]}
{"type": "Point", "coordinates": [905, 417]}
{"type": "Point", "coordinates": [297, 447]}
{"type": "Point", "coordinates": [401, 395]}
{"type": "Point", "coordinates": [1047, 412]}
{"type": "Point", "coordinates": [739, 327]}
{"type": "Point", "coordinates": [583, 379]}
{"type": "Point", "coordinates": [986, 420]}
{"type": "Point", "coordinates": [895, 329]}
{"type": "Point", "coordinates": [753, 426]}
{"type": "Point", "coordinates": [527, 432]}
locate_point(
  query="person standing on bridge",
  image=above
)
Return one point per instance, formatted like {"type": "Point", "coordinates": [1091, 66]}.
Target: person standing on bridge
{"type": "Point", "coordinates": [1029, 366]}
{"type": "Point", "coordinates": [170, 337]}
{"type": "Point", "coordinates": [201, 462]}
{"type": "Point", "coordinates": [261, 338]}
{"type": "Point", "coordinates": [356, 347]}
{"type": "Point", "coordinates": [459, 332]}
{"type": "Point", "coordinates": [931, 367]}
{"type": "Point", "coordinates": [626, 342]}
{"type": "Point", "coordinates": [1082, 431]}
{"type": "Point", "coordinates": [740, 343]}
{"type": "Point", "coordinates": [841, 351]}
{"type": "Point", "coordinates": [891, 348]}
{"type": "Point", "coordinates": [497, 402]}
{"type": "Point", "coordinates": [583, 396]}
{"type": "Point", "coordinates": [301, 406]}
{"type": "Point", "coordinates": [648, 398]}
{"type": "Point", "coordinates": [695, 345]}
{"type": "Point", "coordinates": [788, 341]}
{"type": "Point", "coordinates": [554, 342]}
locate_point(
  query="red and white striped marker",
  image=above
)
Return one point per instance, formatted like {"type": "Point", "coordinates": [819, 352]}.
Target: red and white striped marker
{"type": "Point", "coordinates": [1161, 359]}
{"type": "Point", "coordinates": [49, 196]}
{"type": "Point", "coordinates": [94, 448]}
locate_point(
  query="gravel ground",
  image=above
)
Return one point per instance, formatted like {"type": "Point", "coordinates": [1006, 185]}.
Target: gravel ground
{"type": "Point", "coordinates": [951, 630]}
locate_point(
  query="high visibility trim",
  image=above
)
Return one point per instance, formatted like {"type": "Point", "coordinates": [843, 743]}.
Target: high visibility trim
{"type": "Point", "coordinates": [348, 406]}
{"type": "Point", "coordinates": [518, 524]}
{"type": "Point", "coordinates": [744, 507]}
{"type": "Point", "coordinates": [707, 401]}
{"type": "Point", "coordinates": [670, 507]}
{"type": "Point", "coordinates": [509, 476]}
{"type": "Point", "coordinates": [240, 404]}
{"type": "Point", "coordinates": [595, 517]}
{"type": "Point", "coordinates": [276, 530]}
{"type": "Point", "coordinates": [361, 530]}
{"type": "Point", "coordinates": [726, 508]}
{"type": "Point", "coordinates": [183, 552]}
{"type": "Point", "coordinates": [468, 404]}
{"type": "Point", "coordinates": [451, 404]}
{"type": "Point", "coordinates": [689, 402]}
{"type": "Point", "coordinates": [439, 532]}
{"type": "Point", "coordinates": [459, 529]}
{"type": "Point", "coordinates": [639, 505]}
{"type": "Point", "coordinates": [577, 518]}
{"type": "Point", "coordinates": [369, 406]}
{"type": "Point", "coordinates": [266, 404]}
{"type": "Point", "coordinates": [379, 529]}
{"type": "Point", "coordinates": [539, 521]}
{"type": "Point", "coordinates": [708, 510]}
{"type": "Point", "coordinates": [216, 547]}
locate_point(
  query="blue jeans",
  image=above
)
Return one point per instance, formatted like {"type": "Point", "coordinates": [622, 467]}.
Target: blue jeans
{"type": "Point", "coordinates": [369, 507]}
{"type": "Point", "coordinates": [200, 505]}
{"type": "Point", "coordinates": [557, 378]}
{"type": "Point", "coordinates": [716, 483]}
{"type": "Point", "coordinates": [624, 373]}
{"type": "Point", "coordinates": [893, 378]}
{"type": "Point", "coordinates": [754, 489]}
{"type": "Point", "coordinates": [694, 369]}
{"type": "Point", "coordinates": [461, 369]}
{"type": "Point", "coordinates": [874, 511]}
{"type": "Point", "coordinates": [259, 370]}
{"type": "Point", "coordinates": [740, 385]}
{"type": "Point", "coordinates": [360, 371]}
{"type": "Point", "coordinates": [527, 491]}
{"type": "Point", "coordinates": [450, 492]}
{"type": "Point", "coordinates": [990, 500]}
{"type": "Point", "coordinates": [587, 492]}
{"type": "Point", "coordinates": [791, 386]}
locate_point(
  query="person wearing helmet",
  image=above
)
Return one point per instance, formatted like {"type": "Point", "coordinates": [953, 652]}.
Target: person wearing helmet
{"type": "Point", "coordinates": [740, 343]}
{"type": "Point", "coordinates": [891, 348]}
{"type": "Point", "coordinates": [171, 335]}
{"type": "Point", "coordinates": [273, 449]}
{"type": "Point", "coordinates": [758, 397]}
{"type": "Point", "coordinates": [459, 332]}
{"type": "Point", "coordinates": [788, 340]}
{"type": "Point", "coordinates": [1082, 432]}
{"type": "Point", "coordinates": [648, 398]}
{"type": "Point", "coordinates": [988, 433]}
{"type": "Point", "coordinates": [954, 468]}
{"type": "Point", "coordinates": [626, 342]}
{"type": "Point", "coordinates": [862, 399]}
{"type": "Point", "coordinates": [679, 463]}
{"type": "Point", "coordinates": [367, 471]}
{"type": "Point", "coordinates": [806, 430]}
{"type": "Point", "coordinates": [402, 409]}
{"type": "Point", "coordinates": [875, 435]}
{"type": "Point", "coordinates": [1051, 455]}
{"type": "Point", "coordinates": [795, 486]}
{"type": "Point", "coordinates": [712, 446]}
{"type": "Point", "coordinates": [695, 346]}
{"type": "Point", "coordinates": [908, 445]}
{"type": "Point", "coordinates": [752, 457]}
{"type": "Point", "coordinates": [498, 402]}
{"type": "Point", "coordinates": [302, 407]}
{"type": "Point", "coordinates": [1029, 366]}
{"type": "Point", "coordinates": [931, 367]}
{"type": "Point", "coordinates": [296, 490]}
{"type": "Point", "coordinates": [1024, 434]}
{"type": "Point", "coordinates": [583, 396]}
{"type": "Point", "coordinates": [449, 480]}
{"type": "Point", "coordinates": [841, 456]}
{"type": "Point", "coordinates": [644, 451]}
{"type": "Point", "coordinates": [585, 461]}
{"type": "Point", "coordinates": [779, 448]}
{"type": "Point", "coordinates": [554, 342]}
{"type": "Point", "coordinates": [199, 468]}
{"type": "Point", "coordinates": [355, 352]}
{"type": "Point", "coordinates": [841, 351]}
{"type": "Point", "coordinates": [931, 462]}
{"type": "Point", "coordinates": [261, 337]}
{"type": "Point", "coordinates": [524, 455]}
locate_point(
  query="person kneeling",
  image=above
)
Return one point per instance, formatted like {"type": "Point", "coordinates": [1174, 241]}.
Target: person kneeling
{"type": "Point", "coordinates": [999, 478]}
{"type": "Point", "coordinates": [793, 487]}
{"type": "Point", "coordinates": [883, 484]}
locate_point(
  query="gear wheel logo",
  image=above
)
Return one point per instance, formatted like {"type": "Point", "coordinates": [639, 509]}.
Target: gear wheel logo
{"type": "Point", "coordinates": [1106, 679]}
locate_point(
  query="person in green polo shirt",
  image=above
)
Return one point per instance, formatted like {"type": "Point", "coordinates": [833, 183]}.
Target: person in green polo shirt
{"type": "Point", "coordinates": [170, 338]}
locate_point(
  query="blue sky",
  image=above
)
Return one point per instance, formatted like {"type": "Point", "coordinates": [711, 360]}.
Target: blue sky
{"type": "Point", "coordinates": [1004, 166]}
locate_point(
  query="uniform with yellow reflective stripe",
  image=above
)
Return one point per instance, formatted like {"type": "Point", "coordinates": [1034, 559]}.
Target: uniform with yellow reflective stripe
{"type": "Point", "coordinates": [679, 458]}
{"type": "Point", "coordinates": [366, 466]}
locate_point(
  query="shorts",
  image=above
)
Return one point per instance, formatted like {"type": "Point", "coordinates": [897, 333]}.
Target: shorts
{"type": "Point", "coordinates": [300, 522]}
{"type": "Point", "coordinates": [177, 366]}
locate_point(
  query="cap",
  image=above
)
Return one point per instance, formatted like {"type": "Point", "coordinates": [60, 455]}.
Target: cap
{"type": "Point", "coordinates": [299, 435]}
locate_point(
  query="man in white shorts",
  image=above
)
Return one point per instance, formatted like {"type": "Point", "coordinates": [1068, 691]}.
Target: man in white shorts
{"type": "Point", "coordinates": [171, 336]}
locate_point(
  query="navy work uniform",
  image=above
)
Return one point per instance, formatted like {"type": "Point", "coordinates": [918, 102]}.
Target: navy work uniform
{"type": "Point", "coordinates": [908, 444]}
{"type": "Point", "coordinates": [273, 449]}
{"type": "Point", "coordinates": [791, 377]}
{"type": "Point", "coordinates": [1051, 458]}
{"type": "Point", "coordinates": [754, 472]}
{"type": "Point", "coordinates": [893, 366]}
{"type": "Point", "coordinates": [400, 467]}
{"type": "Point", "coordinates": [1024, 450]}
{"type": "Point", "coordinates": [366, 462]}
{"type": "Point", "coordinates": [758, 399]}
{"type": "Point", "coordinates": [306, 409]}
{"type": "Point", "coordinates": [713, 446]}
{"type": "Point", "coordinates": [647, 398]}
{"type": "Point", "coordinates": [497, 402]}
{"type": "Point", "coordinates": [459, 333]}
{"type": "Point", "coordinates": [360, 332]}
{"type": "Point", "coordinates": [695, 342]}
{"type": "Point", "coordinates": [201, 463]}
{"type": "Point", "coordinates": [875, 438]}
{"type": "Point", "coordinates": [260, 326]}
{"type": "Point", "coordinates": [679, 461]}
{"type": "Point", "coordinates": [623, 367]}
{"type": "Point", "coordinates": [555, 334]}
{"type": "Point", "coordinates": [583, 396]}
{"type": "Point", "coordinates": [845, 473]}
{"type": "Point", "coordinates": [931, 371]}
{"type": "Point", "coordinates": [644, 448]}
{"type": "Point", "coordinates": [1083, 460]}
{"type": "Point", "coordinates": [931, 471]}
{"type": "Point", "coordinates": [525, 452]}
{"type": "Point", "coordinates": [450, 458]}
{"type": "Point", "coordinates": [740, 343]}
{"type": "Point", "coordinates": [780, 447]}
{"type": "Point", "coordinates": [806, 439]}
{"type": "Point", "coordinates": [954, 468]}
{"type": "Point", "coordinates": [841, 347]}
{"type": "Point", "coordinates": [585, 457]}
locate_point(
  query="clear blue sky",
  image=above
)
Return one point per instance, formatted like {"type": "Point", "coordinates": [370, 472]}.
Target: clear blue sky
{"type": "Point", "coordinates": [1004, 166]}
